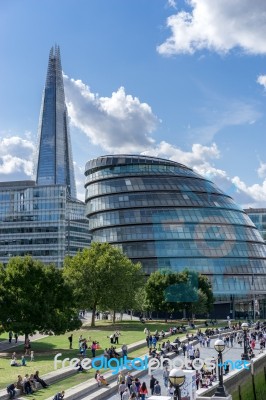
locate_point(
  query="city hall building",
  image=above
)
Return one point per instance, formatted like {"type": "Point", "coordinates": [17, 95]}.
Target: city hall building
{"type": "Point", "coordinates": [166, 216]}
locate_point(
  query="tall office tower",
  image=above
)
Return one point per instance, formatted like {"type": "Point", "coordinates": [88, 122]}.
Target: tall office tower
{"type": "Point", "coordinates": [43, 218]}
{"type": "Point", "coordinates": [54, 163]}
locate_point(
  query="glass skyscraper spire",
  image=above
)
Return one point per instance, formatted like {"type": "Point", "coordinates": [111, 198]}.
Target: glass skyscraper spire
{"type": "Point", "coordinates": [54, 163]}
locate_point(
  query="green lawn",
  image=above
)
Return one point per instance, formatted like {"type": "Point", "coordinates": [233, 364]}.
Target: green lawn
{"type": "Point", "coordinates": [246, 390]}
{"type": "Point", "coordinates": [46, 348]}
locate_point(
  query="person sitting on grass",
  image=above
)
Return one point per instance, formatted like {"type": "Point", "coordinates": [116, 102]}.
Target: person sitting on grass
{"type": "Point", "coordinates": [14, 363]}
{"type": "Point", "coordinates": [113, 352]}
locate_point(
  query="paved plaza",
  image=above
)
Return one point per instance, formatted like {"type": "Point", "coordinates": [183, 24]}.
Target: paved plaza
{"type": "Point", "coordinates": [230, 353]}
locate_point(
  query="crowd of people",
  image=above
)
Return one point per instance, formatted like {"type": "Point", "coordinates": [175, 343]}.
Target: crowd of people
{"type": "Point", "coordinates": [26, 385]}
{"type": "Point", "coordinates": [130, 387]}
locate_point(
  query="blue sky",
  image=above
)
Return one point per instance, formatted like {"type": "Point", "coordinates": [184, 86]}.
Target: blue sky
{"type": "Point", "coordinates": [184, 80]}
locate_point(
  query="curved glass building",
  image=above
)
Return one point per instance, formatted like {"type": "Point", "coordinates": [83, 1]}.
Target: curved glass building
{"type": "Point", "coordinates": [166, 216]}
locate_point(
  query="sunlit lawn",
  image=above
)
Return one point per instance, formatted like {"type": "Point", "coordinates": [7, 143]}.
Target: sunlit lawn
{"type": "Point", "coordinates": [46, 348]}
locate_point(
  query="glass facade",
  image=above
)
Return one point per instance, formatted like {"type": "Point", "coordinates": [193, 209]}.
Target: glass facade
{"type": "Point", "coordinates": [54, 163]}
{"type": "Point", "coordinates": [42, 221]}
{"type": "Point", "coordinates": [43, 218]}
{"type": "Point", "coordinates": [163, 214]}
{"type": "Point", "coordinates": [258, 217]}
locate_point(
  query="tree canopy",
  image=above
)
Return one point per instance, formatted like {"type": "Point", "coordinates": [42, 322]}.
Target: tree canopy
{"type": "Point", "coordinates": [35, 297]}
{"type": "Point", "coordinates": [168, 291]}
{"type": "Point", "coordinates": [102, 277]}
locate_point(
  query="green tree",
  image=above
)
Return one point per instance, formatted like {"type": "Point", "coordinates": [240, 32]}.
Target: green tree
{"type": "Point", "coordinates": [162, 290]}
{"type": "Point", "coordinates": [168, 292]}
{"type": "Point", "coordinates": [35, 297]}
{"type": "Point", "coordinates": [103, 277]}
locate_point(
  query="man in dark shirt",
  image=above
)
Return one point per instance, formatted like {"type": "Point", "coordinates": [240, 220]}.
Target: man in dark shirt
{"type": "Point", "coordinates": [152, 384]}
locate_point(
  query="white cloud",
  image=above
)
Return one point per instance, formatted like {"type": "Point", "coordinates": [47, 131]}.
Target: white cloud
{"type": "Point", "coordinates": [262, 170]}
{"type": "Point", "coordinates": [120, 123]}
{"type": "Point", "coordinates": [256, 192]}
{"type": "Point", "coordinates": [16, 158]}
{"type": "Point", "coordinates": [219, 26]}
{"type": "Point", "coordinates": [80, 181]}
{"type": "Point", "coordinates": [262, 80]}
{"type": "Point", "coordinates": [171, 3]}
{"type": "Point", "coordinates": [197, 156]}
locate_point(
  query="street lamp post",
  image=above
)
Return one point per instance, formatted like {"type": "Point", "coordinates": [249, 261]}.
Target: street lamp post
{"type": "Point", "coordinates": [219, 347]}
{"type": "Point", "coordinates": [177, 379]}
{"type": "Point", "coordinates": [245, 327]}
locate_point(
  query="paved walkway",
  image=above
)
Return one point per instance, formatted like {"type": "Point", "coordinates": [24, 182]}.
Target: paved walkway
{"type": "Point", "coordinates": [5, 345]}
{"type": "Point", "coordinates": [230, 353]}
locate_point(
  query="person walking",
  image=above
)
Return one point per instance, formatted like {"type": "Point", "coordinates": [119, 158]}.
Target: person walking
{"type": "Point", "coordinates": [121, 388]}
{"type": "Point", "coordinates": [143, 391]}
{"type": "Point", "coordinates": [157, 389]}
{"type": "Point", "coordinates": [166, 377]}
{"type": "Point", "coordinates": [152, 384]}
{"type": "Point", "coordinates": [70, 339]}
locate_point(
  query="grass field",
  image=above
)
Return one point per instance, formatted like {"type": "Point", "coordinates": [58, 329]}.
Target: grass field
{"type": "Point", "coordinates": [245, 391]}
{"type": "Point", "coordinates": [46, 348]}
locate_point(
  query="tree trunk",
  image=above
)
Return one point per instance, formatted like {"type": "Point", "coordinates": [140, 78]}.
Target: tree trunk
{"type": "Point", "coordinates": [93, 317]}
{"type": "Point", "coordinates": [26, 337]}
{"type": "Point", "coordinates": [131, 316]}
{"type": "Point", "coordinates": [114, 317]}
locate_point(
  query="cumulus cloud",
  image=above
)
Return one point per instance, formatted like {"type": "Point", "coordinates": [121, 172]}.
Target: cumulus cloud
{"type": "Point", "coordinates": [197, 156]}
{"type": "Point", "coordinates": [262, 80]}
{"type": "Point", "coordinates": [120, 123]}
{"type": "Point", "coordinates": [262, 170]}
{"type": "Point", "coordinates": [218, 26]}
{"type": "Point", "coordinates": [256, 192]}
{"type": "Point", "coordinates": [16, 158]}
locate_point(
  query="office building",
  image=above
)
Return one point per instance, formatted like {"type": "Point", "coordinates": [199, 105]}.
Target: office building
{"type": "Point", "coordinates": [43, 217]}
{"type": "Point", "coordinates": [166, 216]}
{"type": "Point", "coordinates": [41, 221]}
{"type": "Point", "coordinates": [258, 217]}
{"type": "Point", "coordinates": [54, 164]}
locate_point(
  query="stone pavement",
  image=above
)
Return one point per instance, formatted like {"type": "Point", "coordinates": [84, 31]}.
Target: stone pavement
{"type": "Point", "coordinates": [230, 353]}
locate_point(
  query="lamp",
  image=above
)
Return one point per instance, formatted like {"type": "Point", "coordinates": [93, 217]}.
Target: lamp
{"type": "Point", "coordinates": [177, 379]}
{"type": "Point", "coordinates": [245, 327]}
{"type": "Point", "coordinates": [219, 347]}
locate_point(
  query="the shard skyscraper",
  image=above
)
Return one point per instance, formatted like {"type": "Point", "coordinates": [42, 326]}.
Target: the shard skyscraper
{"type": "Point", "coordinates": [54, 163]}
